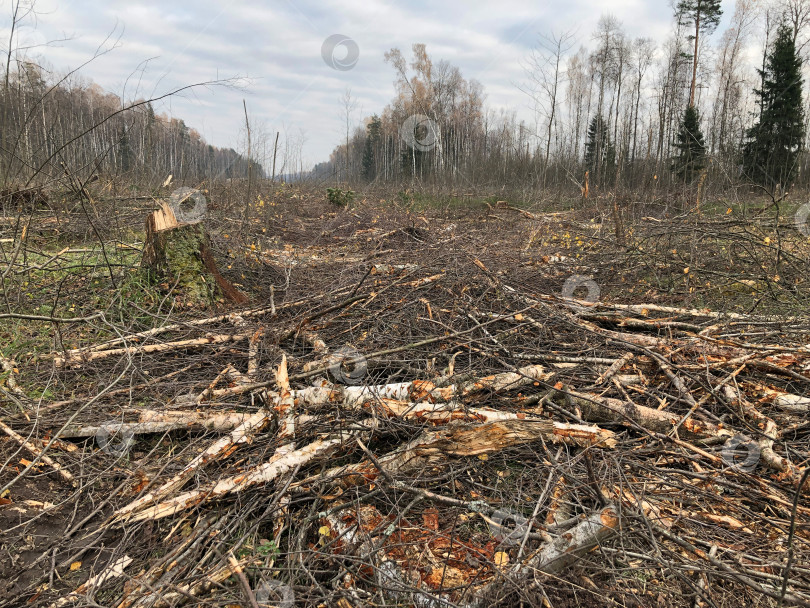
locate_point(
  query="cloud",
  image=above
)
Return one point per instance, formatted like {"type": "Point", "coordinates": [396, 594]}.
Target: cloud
{"type": "Point", "coordinates": [277, 48]}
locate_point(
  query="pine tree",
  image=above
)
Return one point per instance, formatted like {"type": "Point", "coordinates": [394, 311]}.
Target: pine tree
{"type": "Point", "coordinates": [691, 157]}
{"type": "Point", "coordinates": [704, 16]}
{"type": "Point", "coordinates": [774, 143]}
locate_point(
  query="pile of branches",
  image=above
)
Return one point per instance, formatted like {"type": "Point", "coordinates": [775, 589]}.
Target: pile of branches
{"type": "Point", "coordinates": [430, 434]}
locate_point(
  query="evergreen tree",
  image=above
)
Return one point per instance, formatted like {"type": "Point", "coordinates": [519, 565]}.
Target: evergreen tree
{"type": "Point", "coordinates": [150, 139]}
{"type": "Point", "coordinates": [691, 157]}
{"type": "Point", "coordinates": [703, 15]}
{"type": "Point", "coordinates": [414, 162]}
{"type": "Point", "coordinates": [125, 156]}
{"type": "Point", "coordinates": [597, 147]}
{"type": "Point", "coordinates": [372, 140]}
{"type": "Point", "coordinates": [181, 140]}
{"type": "Point", "coordinates": [774, 143]}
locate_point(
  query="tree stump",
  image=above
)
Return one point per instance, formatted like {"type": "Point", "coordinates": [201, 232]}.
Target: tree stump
{"type": "Point", "coordinates": [179, 253]}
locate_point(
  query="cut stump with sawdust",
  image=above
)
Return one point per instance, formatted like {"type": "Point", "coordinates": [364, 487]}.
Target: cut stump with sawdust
{"type": "Point", "coordinates": [179, 252]}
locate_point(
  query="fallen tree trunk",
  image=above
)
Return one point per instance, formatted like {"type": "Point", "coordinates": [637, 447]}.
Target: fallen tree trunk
{"type": "Point", "coordinates": [86, 357]}
{"type": "Point", "coordinates": [416, 390]}
{"type": "Point", "coordinates": [429, 449]}
{"type": "Point", "coordinates": [605, 409]}
{"type": "Point", "coordinates": [262, 474]}
{"type": "Point", "coordinates": [151, 421]}
{"type": "Point", "coordinates": [38, 454]}
{"type": "Point", "coordinates": [567, 548]}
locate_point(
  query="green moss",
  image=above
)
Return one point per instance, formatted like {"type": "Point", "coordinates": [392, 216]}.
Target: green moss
{"type": "Point", "coordinates": [183, 259]}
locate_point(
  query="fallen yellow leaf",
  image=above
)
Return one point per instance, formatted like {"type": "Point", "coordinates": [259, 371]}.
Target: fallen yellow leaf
{"type": "Point", "coordinates": [501, 559]}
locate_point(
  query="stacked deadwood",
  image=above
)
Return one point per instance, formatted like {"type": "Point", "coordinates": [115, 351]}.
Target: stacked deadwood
{"type": "Point", "coordinates": [646, 452]}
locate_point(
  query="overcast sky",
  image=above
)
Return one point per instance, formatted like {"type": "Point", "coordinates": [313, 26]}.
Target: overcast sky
{"type": "Point", "coordinates": [276, 48]}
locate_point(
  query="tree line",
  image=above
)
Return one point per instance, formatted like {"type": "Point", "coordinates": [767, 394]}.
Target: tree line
{"type": "Point", "coordinates": [631, 113]}
{"type": "Point", "coordinates": [51, 123]}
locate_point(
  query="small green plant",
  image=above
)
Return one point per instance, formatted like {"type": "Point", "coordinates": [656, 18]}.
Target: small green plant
{"type": "Point", "coordinates": [341, 198]}
{"type": "Point", "coordinates": [267, 547]}
{"type": "Point", "coordinates": [404, 198]}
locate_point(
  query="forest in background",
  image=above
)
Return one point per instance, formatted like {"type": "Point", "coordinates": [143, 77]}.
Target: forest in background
{"type": "Point", "coordinates": [49, 121]}
{"type": "Point", "coordinates": [615, 108]}
{"type": "Point", "coordinates": [464, 384]}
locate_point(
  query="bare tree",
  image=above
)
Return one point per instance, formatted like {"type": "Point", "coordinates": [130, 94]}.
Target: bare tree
{"type": "Point", "coordinates": [604, 64]}
{"type": "Point", "coordinates": [544, 71]}
{"type": "Point", "coordinates": [578, 99]}
{"type": "Point", "coordinates": [643, 54]}
{"type": "Point", "coordinates": [727, 106]}
{"type": "Point", "coordinates": [797, 14]}
{"type": "Point", "coordinates": [349, 106]}
{"type": "Point", "coordinates": [623, 52]}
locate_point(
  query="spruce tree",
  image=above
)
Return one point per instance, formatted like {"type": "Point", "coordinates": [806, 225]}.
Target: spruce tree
{"type": "Point", "coordinates": [125, 156]}
{"type": "Point", "coordinates": [691, 157]}
{"type": "Point", "coordinates": [597, 145]}
{"type": "Point", "coordinates": [372, 140]}
{"type": "Point", "coordinates": [774, 143]}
